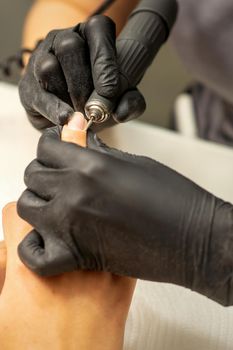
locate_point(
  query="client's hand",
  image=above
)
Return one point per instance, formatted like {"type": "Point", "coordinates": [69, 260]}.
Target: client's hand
{"type": "Point", "coordinates": [79, 310]}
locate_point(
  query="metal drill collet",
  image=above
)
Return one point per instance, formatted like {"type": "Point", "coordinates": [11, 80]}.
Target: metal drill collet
{"type": "Point", "coordinates": [96, 112]}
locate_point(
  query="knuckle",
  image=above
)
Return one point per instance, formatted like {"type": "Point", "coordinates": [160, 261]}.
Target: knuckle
{"type": "Point", "coordinates": [107, 90]}
{"type": "Point", "coordinates": [27, 174]}
{"type": "Point", "coordinates": [137, 101]}
{"type": "Point", "coordinates": [51, 35]}
{"type": "Point", "coordinates": [47, 67]}
{"type": "Point", "coordinates": [107, 79]}
{"type": "Point", "coordinates": [68, 42]}
{"type": "Point", "coordinates": [22, 86]}
{"type": "Point", "coordinates": [30, 169]}
{"type": "Point", "coordinates": [99, 21]}
{"type": "Point", "coordinates": [78, 200]}
{"type": "Point", "coordinates": [21, 205]}
{"type": "Point", "coordinates": [25, 91]}
{"type": "Point", "coordinates": [86, 185]}
{"type": "Point", "coordinates": [32, 174]}
{"type": "Point", "coordinates": [44, 143]}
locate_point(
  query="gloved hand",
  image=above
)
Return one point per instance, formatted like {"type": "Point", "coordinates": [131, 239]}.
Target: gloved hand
{"type": "Point", "coordinates": [101, 209]}
{"type": "Point", "coordinates": [67, 66]}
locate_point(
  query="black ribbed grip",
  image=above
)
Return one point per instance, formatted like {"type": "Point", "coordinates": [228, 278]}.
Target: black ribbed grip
{"type": "Point", "coordinates": [138, 44]}
{"type": "Point", "coordinates": [146, 30]}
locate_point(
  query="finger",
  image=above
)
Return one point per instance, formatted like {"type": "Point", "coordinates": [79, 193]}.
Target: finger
{"type": "Point", "coordinates": [100, 33]}
{"type": "Point", "coordinates": [37, 101]}
{"type": "Point", "coordinates": [72, 53]}
{"type": "Point", "coordinates": [131, 106]}
{"type": "Point", "coordinates": [32, 208]}
{"type": "Point", "coordinates": [27, 92]}
{"type": "Point", "coordinates": [46, 258]}
{"type": "Point", "coordinates": [39, 122]}
{"type": "Point", "coordinates": [51, 78]}
{"type": "Point", "coordinates": [31, 250]}
{"type": "Point", "coordinates": [95, 143]}
{"type": "Point", "coordinates": [54, 153]}
{"type": "Point", "coordinates": [41, 180]}
{"type": "Point", "coordinates": [51, 107]}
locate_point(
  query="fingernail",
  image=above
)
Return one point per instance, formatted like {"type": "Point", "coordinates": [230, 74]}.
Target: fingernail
{"type": "Point", "coordinates": [77, 121]}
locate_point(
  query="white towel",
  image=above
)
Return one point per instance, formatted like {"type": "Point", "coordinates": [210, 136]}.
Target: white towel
{"type": "Point", "coordinates": [166, 317]}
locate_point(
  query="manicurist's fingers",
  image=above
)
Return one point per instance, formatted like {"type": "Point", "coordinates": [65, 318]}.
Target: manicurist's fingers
{"type": "Point", "coordinates": [31, 250]}
{"type": "Point", "coordinates": [100, 33]}
{"type": "Point", "coordinates": [45, 257]}
{"type": "Point", "coordinates": [73, 55]}
{"type": "Point", "coordinates": [32, 208]}
{"type": "Point", "coordinates": [41, 180]}
{"type": "Point", "coordinates": [131, 106]}
{"type": "Point", "coordinates": [49, 74]}
{"type": "Point", "coordinates": [51, 107]}
{"type": "Point", "coordinates": [54, 153]}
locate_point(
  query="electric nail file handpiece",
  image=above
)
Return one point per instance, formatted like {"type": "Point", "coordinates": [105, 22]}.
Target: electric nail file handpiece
{"type": "Point", "coordinates": [147, 29]}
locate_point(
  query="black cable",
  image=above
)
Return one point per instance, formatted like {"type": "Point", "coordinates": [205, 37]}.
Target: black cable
{"type": "Point", "coordinates": [103, 7]}
{"type": "Point", "coordinates": [6, 67]}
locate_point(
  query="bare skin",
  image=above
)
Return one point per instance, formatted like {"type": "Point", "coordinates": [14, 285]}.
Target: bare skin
{"type": "Point", "coordinates": [58, 14]}
{"type": "Point", "coordinates": [2, 264]}
{"type": "Point", "coordinates": [78, 310]}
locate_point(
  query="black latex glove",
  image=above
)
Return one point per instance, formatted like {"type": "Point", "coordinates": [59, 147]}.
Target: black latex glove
{"type": "Point", "coordinates": [67, 66]}
{"type": "Point", "coordinates": [101, 209]}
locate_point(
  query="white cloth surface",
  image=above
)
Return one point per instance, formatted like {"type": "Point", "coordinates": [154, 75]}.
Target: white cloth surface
{"type": "Point", "coordinates": [208, 164]}
{"type": "Point", "coordinates": [162, 317]}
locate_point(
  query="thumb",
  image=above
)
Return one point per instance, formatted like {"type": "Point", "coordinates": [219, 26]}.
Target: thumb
{"type": "Point", "coordinates": [46, 257]}
{"type": "Point", "coordinates": [95, 143]}
{"type": "Point", "coordinates": [52, 133]}
{"type": "Point", "coordinates": [131, 106]}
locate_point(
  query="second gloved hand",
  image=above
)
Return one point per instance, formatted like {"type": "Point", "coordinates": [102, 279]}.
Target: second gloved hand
{"type": "Point", "coordinates": [101, 209]}
{"type": "Point", "coordinates": [67, 66]}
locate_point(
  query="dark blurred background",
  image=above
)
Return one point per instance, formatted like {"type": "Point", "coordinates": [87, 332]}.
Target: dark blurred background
{"type": "Point", "coordinates": [164, 80]}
